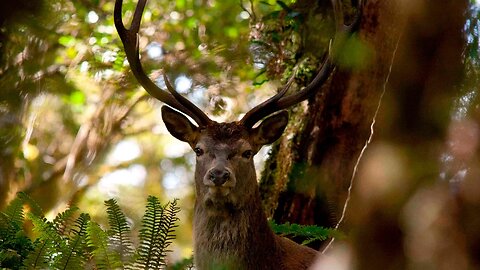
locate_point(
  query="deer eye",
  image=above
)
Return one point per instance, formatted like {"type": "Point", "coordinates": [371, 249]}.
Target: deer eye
{"type": "Point", "coordinates": [247, 154]}
{"type": "Point", "coordinates": [198, 151]}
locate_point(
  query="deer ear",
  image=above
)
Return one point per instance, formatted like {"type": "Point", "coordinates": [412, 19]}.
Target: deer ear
{"type": "Point", "coordinates": [270, 129]}
{"type": "Point", "coordinates": [179, 126]}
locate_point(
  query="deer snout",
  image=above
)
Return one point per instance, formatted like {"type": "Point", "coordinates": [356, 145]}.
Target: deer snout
{"type": "Point", "coordinates": [218, 176]}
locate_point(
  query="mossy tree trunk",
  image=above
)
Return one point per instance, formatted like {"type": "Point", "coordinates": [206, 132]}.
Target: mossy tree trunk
{"type": "Point", "coordinates": [309, 173]}
{"type": "Point", "coordinates": [414, 75]}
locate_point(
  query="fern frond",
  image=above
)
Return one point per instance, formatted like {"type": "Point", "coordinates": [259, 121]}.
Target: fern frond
{"type": "Point", "coordinates": [146, 251]}
{"type": "Point", "coordinates": [5, 227]}
{"type": "Point", "coordinates": [65, 220]}
{"type": "Point", "coordinates": [168, 225]}
{"type": "Point", "coordinates": [309, 232]}
{"type": "Point", "coordinates": [155, 235]}
{"type": "Point", "coordinates": [48, 244]}
{"type": "Point", "coordinates": [119, 230]}
{"type": "Point", "coordinates": [39, 257]}
{"type": "Point", "coordinates": [33, 205]}
{"type": "Point", "coordinates": [15, 213]}
{"type": "Point", "coordinates": [104, 257]}
{"type": "Point", "coordinates": [75, 256]}
{"type": "Point", "coordinates": [14, 243]}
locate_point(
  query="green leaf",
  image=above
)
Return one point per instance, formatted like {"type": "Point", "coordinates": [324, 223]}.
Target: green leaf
{"type": "Point", "coordinates": [309, 232]}
{"type": "Point", "coordinates": [77, 98]}
{"type": "Point", "coordinates": [48, 243]}
{"type": "Point", "coordinates": [67, 41]}
{"type": "Point", "coordinates": [180, 4]}
{"type": "Point", "coordinates": [33, 205]}
{"type": "Point", "coordinates": [104, 257]}
{"type": "Point", "coordinates": [119, 230]}
{"type": "Point", "coordinates": [156, 233]}
{"type": "Point", "coordinates": [75, 255]}
{"type": "Point", "coordinates": [15, 213]}
{"type": "Point", "coordinates": [63, 221]}
{"type": "Point", "coordinates": [231, 32]}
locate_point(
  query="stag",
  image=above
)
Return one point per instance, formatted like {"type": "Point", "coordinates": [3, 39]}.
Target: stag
{"type": "Point", "coordinates": [230, 227]}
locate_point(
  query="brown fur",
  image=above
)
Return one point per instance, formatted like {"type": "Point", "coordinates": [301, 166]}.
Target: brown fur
{"type": "Point", "coordinates": [242, 239]}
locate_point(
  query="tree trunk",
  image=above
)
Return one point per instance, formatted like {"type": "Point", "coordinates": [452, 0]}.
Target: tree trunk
{"type": "Point", "coordinates": [413, 75]}
{"type": "Point", "coordinates": [336, 125]}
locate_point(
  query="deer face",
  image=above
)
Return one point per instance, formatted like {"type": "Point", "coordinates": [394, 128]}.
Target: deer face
{"type": "Point", "coordinates": [225, 173]}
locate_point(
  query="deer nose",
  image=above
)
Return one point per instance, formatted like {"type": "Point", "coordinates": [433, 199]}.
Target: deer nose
{"type": "Point", "coordinates": [218, 177]}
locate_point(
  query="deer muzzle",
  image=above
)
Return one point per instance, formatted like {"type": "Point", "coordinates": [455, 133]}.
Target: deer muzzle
{"type": "Point", "coordinates": [219, 176]}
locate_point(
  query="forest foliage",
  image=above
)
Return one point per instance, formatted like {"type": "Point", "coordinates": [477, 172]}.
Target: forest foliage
{"type": "Point", "coordinates": [73, 241]}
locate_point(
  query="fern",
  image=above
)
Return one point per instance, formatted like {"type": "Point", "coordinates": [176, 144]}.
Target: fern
{"type": "Point", "coordinates": [68, 243]}
{"type": "Point", "coordinates": [55, 249]}
{"type": "Point", "coordinates": [39, 257]}
{"type": "Point", "coordinates": [156, 234]}
{"type": "Point", "coordinates": [104, 256]}
{"type": "Point", "coordinates": [168, 226]}
{"type": "Point", "coordinates": [63, 221]}
{"type": "Point", "coordinates": [74, 256]}
{"type": "Point", "coordinates": [15, 212]}
{"type": "Point", "coordinates": [14, 244]}
{"type": "Point", "coordinates": [309, 233]}
{"type": "Point", "coordinates": [33, 205]}
{"type": "Point", "coordinates": [47, 244]}
{"type": "Point", "coordinates": [119, 230]}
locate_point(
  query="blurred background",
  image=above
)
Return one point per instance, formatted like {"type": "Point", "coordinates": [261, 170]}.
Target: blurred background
{"type": "Point", "coordinates": [388, 151]}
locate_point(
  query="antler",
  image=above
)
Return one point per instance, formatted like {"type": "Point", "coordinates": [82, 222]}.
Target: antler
{"type": "Point", "coordinates": [280, 101]}
{"type": "Point", "coordinates": [129, 39]}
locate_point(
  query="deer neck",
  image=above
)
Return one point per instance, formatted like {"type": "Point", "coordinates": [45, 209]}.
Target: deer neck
{"type": "Point", "coordinates": [233, 237]}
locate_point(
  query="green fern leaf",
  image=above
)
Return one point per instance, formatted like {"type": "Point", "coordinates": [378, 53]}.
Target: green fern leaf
{"type": "Point", "coordinates": [14, 243]}
{"type": "Point", "coordinates": [47, 246]}
{"type": "Point", "coordinates": [65, 220]}
{"type": "Point", "coordinates": [156, 234]}
{"type": "Point", "coordinates": [168, 225]}
{"type": "Point", "coordinates": [119, 230]}
{"type": "Point", "coordinates": [33, 205]}
{"type": "Point", "coordinates": [15, 213]}
{"type": "Point", "coordinates": [39, 257]}
{"type": "Point", "coordinates": [104, 257]}
{"type": "Point", "coordinates": [75, 256]}
{"type": "Point", "coordinates": [308, 232]}
{"type": "Point", "coordinates": [6, 228]}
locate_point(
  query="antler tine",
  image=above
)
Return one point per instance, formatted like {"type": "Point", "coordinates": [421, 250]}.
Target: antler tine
{"type": "Point", "coordinates": [276, 104]}
{"type": "Point", "coordinates": [130, 41]}
{"type": "Point", "coordinates": [251, 117]}
{"type": "Point", "coordinates": [185, 102]}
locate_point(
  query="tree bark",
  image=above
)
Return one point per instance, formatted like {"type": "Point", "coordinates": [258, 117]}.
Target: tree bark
{"type": "Point", "coordinates": [336, 125]}
{"type": "Point", "coordinates": [413, 75]}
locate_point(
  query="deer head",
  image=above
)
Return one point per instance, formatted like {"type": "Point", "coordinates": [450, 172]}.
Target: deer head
{"type": "Point", "coordinates": [225, 173]}
{"type": "Point", "coordinates": [225, 178]}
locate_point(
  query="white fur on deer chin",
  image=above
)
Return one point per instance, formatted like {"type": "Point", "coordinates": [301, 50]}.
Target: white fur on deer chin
{"type": "Point", "coordinates": [218, 191]}
{"type": "Point", "coordinates": [221, 204]}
